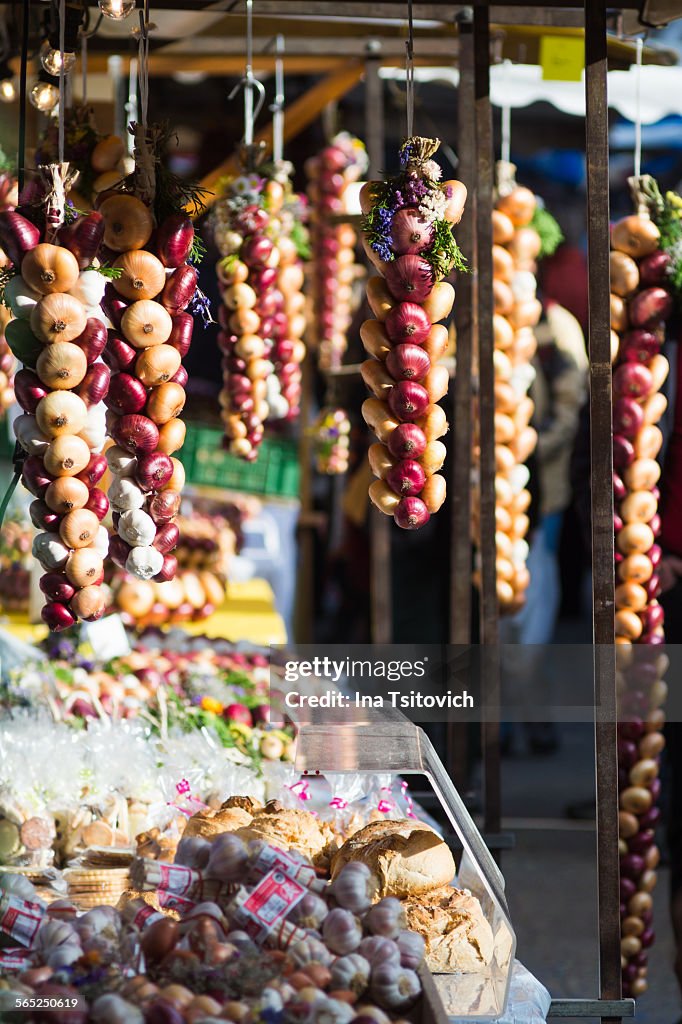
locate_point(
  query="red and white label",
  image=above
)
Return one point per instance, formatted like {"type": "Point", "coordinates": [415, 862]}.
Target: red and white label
{"type": "Point", "coordinates": [144, 917]}
{"type": "Point", "coordinates": [269, 904]}
{"type": "Point", "coordinates": [272, 858]}
{"type": "Point", "coordinates": [14, 959]}
{"type": "Point", "coordinates": [171, 901]}
{"type": "Point", "coordinates": [20, 918]}
{"type": "Point", "coordinates": [178, 879]}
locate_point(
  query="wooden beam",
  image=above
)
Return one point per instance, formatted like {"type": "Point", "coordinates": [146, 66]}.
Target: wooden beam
{"type": "Point", "coordinates": [302, 112]}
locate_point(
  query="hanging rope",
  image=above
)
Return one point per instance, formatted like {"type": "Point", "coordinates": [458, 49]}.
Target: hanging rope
{"type": "Point", "coordinates": [409, 70]}
{"type": "Point", "coordinates": [62, 105]}
{"type": "Point", "coordinates": [277, 108]}
{"type": "Point", "coordinates": [638, 111]}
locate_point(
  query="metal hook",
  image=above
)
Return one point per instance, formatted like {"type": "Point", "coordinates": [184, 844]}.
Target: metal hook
{"type": "Point", "coordinates": [248, 83]}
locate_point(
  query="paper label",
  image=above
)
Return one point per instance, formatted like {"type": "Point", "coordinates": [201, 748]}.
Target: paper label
{"type": "Point", "coordinates": [107, 637]}
{"type": "Point", "coordinates": [271, 858]}
{"type": "Point", "coordinates": [178, 879]}
{"type": "Point", "coordinates": [171, 901]}
{"type": "Point", "coordinates": [14, 959]}
{"type": "Point", "coordinates": [562, 58]}
{"type": "Point", "coordinates": [20, 918]}
{"type": "Point", "coordinates": [145, 916]}
{"type": "Point", "coordinates": [270, 903]}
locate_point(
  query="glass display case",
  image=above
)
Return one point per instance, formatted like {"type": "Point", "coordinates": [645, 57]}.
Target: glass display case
{"type": "Point", "coordinates": [392, 744]}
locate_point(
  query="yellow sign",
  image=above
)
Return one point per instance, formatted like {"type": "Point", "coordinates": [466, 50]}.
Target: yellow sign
{"type": "Point", "coordinates": [562, 58]}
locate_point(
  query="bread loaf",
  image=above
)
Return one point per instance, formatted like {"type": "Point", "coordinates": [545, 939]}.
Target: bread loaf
{"type": "Point", "coordinates": [210, 824]}
{"type": "Point", "coordinates": [457, 935]}
{"type": "Point", "coordinates": [292, 830]}
{"type": "Point", "coordinates": [407, 857]}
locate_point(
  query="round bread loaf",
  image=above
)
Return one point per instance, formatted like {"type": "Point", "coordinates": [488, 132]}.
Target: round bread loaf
{"type": "Point", "coordinates": [292, 829]}
{"type": "Point", "coordinates": [457, 935]}
{"type": "Point", "coordinates": [210, 824]}
{"type": "Point", "coordinates": [407, 857]}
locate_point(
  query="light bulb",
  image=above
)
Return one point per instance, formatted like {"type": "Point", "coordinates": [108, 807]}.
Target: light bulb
{"type": "Point", "coordinates": [44, 96]}
{"type": "Point", "coordinates": [117, 10]}
{"type": "Point", "coordinates": [51, 59]}
{"type": "Point", "coordinates": [8, 92]}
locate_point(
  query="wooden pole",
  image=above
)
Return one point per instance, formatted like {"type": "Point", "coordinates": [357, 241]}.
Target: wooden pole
{"type": "Point", "coordinates": [599, 344]}
{"type": "Point", "coordinates": [489, 625]}
{"type": "Point", "coordinates": [381, 604]}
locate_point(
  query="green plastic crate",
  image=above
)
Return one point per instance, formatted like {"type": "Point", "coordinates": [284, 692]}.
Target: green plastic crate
{"type": "Point", "coordinates": [275, 473]}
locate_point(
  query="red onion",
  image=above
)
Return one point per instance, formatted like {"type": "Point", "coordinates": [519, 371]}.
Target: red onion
{"type": "Point", "coordinates": [411, 514]}
{"type": "Point", "coordinates": [17, 235]}
{"type": "Point", "coordinates": [631, 866]}
{"type": "Point", "coordinates": [264, 277]}
{"type": "Point", "coordinates": [118, 354]}
{"type": "Point", "coordinates": [42, 517]}
{"type": "Point", "coordinates": [118, 551]}
{"type": "Point", "coordinates": [95, 384]}
{"type": "Point", "coordinates": [623, 452]}
{"type": "Point", "coordinates": [407, 322]}
{"type": "Point", "coordinates": [409, 278]}
{"type": "Point", "coordinates": [83, 237]}
{"type": "Point", "coordinates": [34, 477]}
{"type": "Point", "coordinates": [620, 491]}
{"type": "Point", "coordinates": [164, 506]}
{"type": "Point", "coordinates": [627, 889]}
{"type": "Point", "coordinates": [628, 416]}
{"type": "Point", "coordinates": [28, 390]}
{"type": "Point", "coordinates": [652, 616]}
{"type": "Point", "coordinates": [269, 303]}
{"type": "Point", "coordinates": [256, 250]}
{"type": "Point", "coordinates": [167, 537]}
{"type": "Point", "coordinates": [642, 841]}
{"type": "Point", "coordinates": [655, 524]}
{"type": "Point", "coordinates": [181, 333]}
{"type": "Point", "coordinates": [655, 554]}
{"type": "Point", "coordinates": [649, 307]}
{"type": "Point", "coordinates": [407, 441]}
{"type": "Point", "coordinates": [252, 218]}
{"type": "Point", "coordinates": [408, 362]}
{"type": "Point", "coordinates": [179, 288]}
{"type": "Point", "coordinates": [113, 305]}
{"type": "Point", "coordinates": [650, 818]}
{"type": "Point", "coordinates": [95, 469]}
{"type": "Point", "coordinates": [181, 377]}
{"type": "Point", "coordinates": [639, 346]}
{"type": "Point", "coordinates": [93, 340]}
{"type": "Point", "coordinates": [654, 269]}
{"type": "Point", "coordinates": [410, 232]}
{"type": "Point", "coordinates": [632, 379]}
{"type": "Point", "coordinates": [98, 503]}
{"type": "Point", "coordinates": [407, 400]}
{"type": "Point", "coordinates": [126, 395]}
{"type": "Point", "coordinates": [174, 238]}
{"type": "Point", "coordinates": [136, 434]}
{"type": "Point", "coordinates": [168, 569]}
{"type": "Point", "coordinates": [153, 471]}
{"type": "Point", "coordinates": [56, 587]}
{"type": "Point", "coordinates": [57, 616]}
{"type": "Point", "coordinates": [406, 478]}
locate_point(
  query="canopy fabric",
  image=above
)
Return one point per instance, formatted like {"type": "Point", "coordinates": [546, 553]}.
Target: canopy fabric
{"type": "Point", "coordinates": [519, 85]}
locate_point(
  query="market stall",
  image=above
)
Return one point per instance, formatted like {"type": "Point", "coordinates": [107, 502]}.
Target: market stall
{"type": "Point", "coordinates": [190, 887]}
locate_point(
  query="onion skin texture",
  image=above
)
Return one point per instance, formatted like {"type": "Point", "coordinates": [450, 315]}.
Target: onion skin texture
{"type": "Point", "coordinates": [405, 342]}
{"type": "Point", "coordinates": [638, 373]}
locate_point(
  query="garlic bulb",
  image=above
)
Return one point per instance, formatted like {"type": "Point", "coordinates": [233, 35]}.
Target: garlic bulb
{"type": "Point", "coordinates": [354, 887]}
{"type": "Point", "coordinates": [20, 297]}
{"type": "Point", "coordinates": [49, 551]}
{"type": "Point", "coordinates": [112, 1009]}
{"type": "Point", "coordinates": [310, 951]}
{"type": "Point", "coordinates": [121, 462]}
{"type": "Point", "coordinates": [55, 933]}
{"type": "Point", "coordinates": [387, 918]}
{"type": "Point", "coordinates": [194, 851]}
{"type": "Point", "coordinates": [18, 884]}
{"type": "Point", "coordinates": [310, 913]}
{"type": "Point", "coordinates": [89, 288]}
{"type": "Point", "coordinates": [99, 921]}
{"type": "Point", "coordinates": [342, 931]}
{"type": "Point", "coordinates": [137, 528]}
{"type": "Point", "coordinates": [29, 436]}
{"type": "Point", "coordinates": [62, 956]}
{"type": "Point", "coordinates": [412, 949]}
{"type": "Point", "coordinates": [396, 988]}
{"type": "Point", "coordinates": [228, 858]}
{"type": "Point", "coordinates": [351, 972]}
{"type": "Point", "coordinates": [125, 495]}
{"type": "Point", "coordinates": [379, 950]}
{"type": "Point", "coordinates": [101, 542]}
{"type": "Point", "coordinates": [330, 1011]}
{"type": "Point", "coordinates": [144, 562]}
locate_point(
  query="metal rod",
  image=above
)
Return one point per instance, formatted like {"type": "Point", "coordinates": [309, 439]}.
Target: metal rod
{"type": "Point", "coordinates": [278, 105]}
{"type": "Point", "coordinates": [489, 626]}
{"type": "Point", "coordinates": [599, 344]}
{"type": "Point", "coordinates": [466, 325]}
{"type": "Point", "coordinates": [381, 605]}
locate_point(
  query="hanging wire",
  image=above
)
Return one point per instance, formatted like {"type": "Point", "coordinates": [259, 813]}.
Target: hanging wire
{"type": "Point", "coordinates": [85, 35]}
{"type": "Point", "coordinates": [62, 94]}
{"type": "Point", "coordinates": [409, 70]}
{"type": "Point", "coordinates": [23, 72]}
{"type": "Point", "coordinates": [505, 148]}
{"type": "Point", "coordinates": [638, 110]}
{"type": "Point", "coordinates": [143, 63]}
{"type": "Point", "coordinates": [131, 105]}
{"type": "Point", "coordinates": [277, 108]}
{"type": "Point", "coordinates": [248, 83]}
